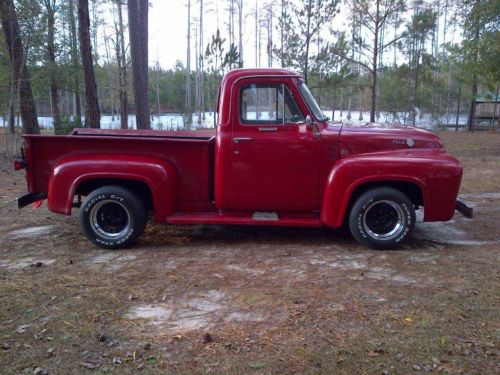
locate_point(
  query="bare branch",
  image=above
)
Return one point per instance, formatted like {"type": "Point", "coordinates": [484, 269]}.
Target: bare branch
{"type": "Point", "coordinates": [345, 57]}
{"type": "Point", "coordinates": [392, 42]}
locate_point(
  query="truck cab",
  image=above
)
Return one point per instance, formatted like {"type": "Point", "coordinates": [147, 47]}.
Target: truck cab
{"type": "Point", "coordinates": [274, 159]}
{"type": "Point", "coordinates": [268, 149]}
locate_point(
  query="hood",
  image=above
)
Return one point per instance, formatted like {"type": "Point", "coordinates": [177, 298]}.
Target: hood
{"type": "Point", "coordinates": [372, 137]}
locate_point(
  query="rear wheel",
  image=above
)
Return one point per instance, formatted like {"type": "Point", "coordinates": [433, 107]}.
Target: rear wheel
{"type": "Point", "coordinates": [382, 218]}
{"type": "Point", "coordinates": [112, 217]}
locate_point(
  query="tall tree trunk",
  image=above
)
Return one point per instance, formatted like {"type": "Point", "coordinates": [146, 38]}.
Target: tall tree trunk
{"type": "Point", "coordinates": [333, 107]}
{"type": "Point", "coordinates": [240, 33]}
{"type": "Point", "coordinates": [349, 103]}
{"type": "Point", "coordinates": [256, 35]}
{"type": "Point", "coordinates": [158, 74]}
{"type": "Point", "coordinates": [109, 94]}
{"type": "Point", "coordinates": [341, 103]}
{"type": "Point", "coordinates": [458, 105]}
{"type": "Point", "coordinates": [360, 117]}
{"type": "Point", "coordinates": [20, 75]}
{"type": "Point", "coordinates": [12, 104]}
{"type": "Point", "coordinates": [51, 54]}
{"type": "Point", "coordinates": [197, 80]}
{"type": "Point", "coordinates": [77, 107]}
{"type": "Point", "coordinates": [495, 108]}
{"type": "Point", "coordinates": [282, 36]}
{"type": "Point", "coordinates": [230, 24]}
{"type": "Point", "coordinates": [188, 105]}
{"type": "Point", "coordinates": [308, 41]}
{"type": "Point", "coordinates": [202, 87]}
{"type": "Point", "coordinates": [94, 33]}
{"type": "Point", "coordinates": [259, 45]}
{"type": "Point", "coordinates": [138, 32]}
{"type": "Point", "coordinates": [270, 37]}
{"type": "Point", "coordinates": [472, 108]}
{"type": "Point", "coordinates": [122, 67]}
{"type": "Point", "coordinates": [93, 113]}
{"type": "Point", "coordinates": [373, 107]}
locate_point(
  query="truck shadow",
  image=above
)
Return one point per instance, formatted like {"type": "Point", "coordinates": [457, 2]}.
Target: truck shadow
{"type": "Point", "coordinates": [201, 236]}
{"type": "Point", "coordinates": [210, 235]}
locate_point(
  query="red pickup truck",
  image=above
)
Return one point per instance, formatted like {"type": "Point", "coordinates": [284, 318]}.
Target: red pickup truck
{"type": "Point", "coordinates": [273, 159]}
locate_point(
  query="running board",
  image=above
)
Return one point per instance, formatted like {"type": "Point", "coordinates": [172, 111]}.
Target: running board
{"type": "Point", "coordinates": [257, 218]}
{"type": "Point", "coordinates": [273, 216]}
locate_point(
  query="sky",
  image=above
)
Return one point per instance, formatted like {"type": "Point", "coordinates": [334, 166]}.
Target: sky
{"type": "Point", "coordinates": [168, 29]}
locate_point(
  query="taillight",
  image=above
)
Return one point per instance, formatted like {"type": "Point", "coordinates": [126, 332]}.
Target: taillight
{"type": "Point", "coordinates": [19, 164]}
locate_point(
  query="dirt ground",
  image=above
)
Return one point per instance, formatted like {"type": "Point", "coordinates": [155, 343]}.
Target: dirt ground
{"type": "Point", "coordinates": [221, 299]}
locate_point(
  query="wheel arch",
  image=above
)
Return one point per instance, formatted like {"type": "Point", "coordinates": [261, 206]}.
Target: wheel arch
{"type": "Point", "coordinates": [411, 189]}
{"type": "Point", "coordinates": [154, 181]}
{"type": "Point", "coordinates": [136, 186]}
{"type": "Point", "coordinates": [335, 211]}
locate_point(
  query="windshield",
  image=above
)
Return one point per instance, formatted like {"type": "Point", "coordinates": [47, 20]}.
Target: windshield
{"type": "Point", "coordinates": [311, 102]}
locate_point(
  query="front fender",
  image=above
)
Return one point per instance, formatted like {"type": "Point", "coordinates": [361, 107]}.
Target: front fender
{"type": "Point", "coordinates": [160, 176]}
{"type": "Point", "coordinates": [436, 173]}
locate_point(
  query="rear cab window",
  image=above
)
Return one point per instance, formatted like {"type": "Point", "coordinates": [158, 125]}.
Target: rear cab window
{"type": "Point", "coordinates": [272, 103]}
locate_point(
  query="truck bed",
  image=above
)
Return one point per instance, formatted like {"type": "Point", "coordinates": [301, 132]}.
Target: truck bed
{"type": "Point", "coordinates": [191, 153]}
{"type": "Point", "coordinates": [205, 134]}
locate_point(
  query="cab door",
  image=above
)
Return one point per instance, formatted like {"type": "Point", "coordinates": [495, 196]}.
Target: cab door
{"type": "Point", "coordinates": [275, 164]}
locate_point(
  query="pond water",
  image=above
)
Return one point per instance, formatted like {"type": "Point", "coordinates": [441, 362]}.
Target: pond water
{"type": "Point", "coordinates": [175, 121]}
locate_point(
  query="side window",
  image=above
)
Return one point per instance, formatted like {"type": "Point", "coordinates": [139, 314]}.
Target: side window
{"type": "Point", "coordinates": [268, 104]}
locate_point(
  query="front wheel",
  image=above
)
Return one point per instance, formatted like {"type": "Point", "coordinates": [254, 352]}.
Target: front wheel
{"type": "Point", "coordinates": [112, 217]}
{"type": "Point", "coordinates": [382, 218]}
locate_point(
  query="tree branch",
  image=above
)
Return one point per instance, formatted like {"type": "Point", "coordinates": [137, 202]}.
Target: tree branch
{"type": "Point", "coordinates": [345, 57]}
{"type": "Point", "coordinates": [391, 42]}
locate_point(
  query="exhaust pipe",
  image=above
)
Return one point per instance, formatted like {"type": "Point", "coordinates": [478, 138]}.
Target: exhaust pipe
{"type": "Point", "coordinates": [464, 209]}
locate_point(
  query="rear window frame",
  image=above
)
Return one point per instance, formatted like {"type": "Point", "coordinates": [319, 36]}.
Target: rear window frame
{"type": "Point", "coordinates": [247, 122]}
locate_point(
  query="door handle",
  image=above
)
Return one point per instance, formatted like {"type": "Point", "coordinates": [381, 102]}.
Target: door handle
{"type": "Point", "coordinates": [242, 139]}
{"type": "Point", "coordinates": [268, 129]}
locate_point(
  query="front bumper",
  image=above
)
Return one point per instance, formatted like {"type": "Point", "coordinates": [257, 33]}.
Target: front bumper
{"type": "Point", "coordinates": [29, 198]}
{"type": "Point", "coordinates": [464, 209]}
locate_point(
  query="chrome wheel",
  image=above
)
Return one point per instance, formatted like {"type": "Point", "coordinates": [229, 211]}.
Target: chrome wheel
{"type": "Point", "coordinates": [384, 220]}
{"type": "Point", "coordinates": [110, 219]}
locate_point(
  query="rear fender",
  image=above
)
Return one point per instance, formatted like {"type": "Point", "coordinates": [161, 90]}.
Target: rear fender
{"type": "Point", "coordinates": [437, 175]}
{"type": "Point", "coordinates": [160, 176]}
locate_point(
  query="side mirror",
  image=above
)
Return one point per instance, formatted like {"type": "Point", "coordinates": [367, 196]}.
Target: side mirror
{"type": "Point", "coordinates": [309, 120]}
{"type": "Point", "coordinates": [311, 123]}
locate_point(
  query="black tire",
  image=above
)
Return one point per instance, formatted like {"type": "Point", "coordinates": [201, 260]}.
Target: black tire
{"type": "Point", "coordinates": [112, 217]}
{"type": "Point", "coordinates": [382, 218]}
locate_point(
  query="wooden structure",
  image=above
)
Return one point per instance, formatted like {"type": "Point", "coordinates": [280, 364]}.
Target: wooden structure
{"type": "Point", "coordinates": [487, 111]}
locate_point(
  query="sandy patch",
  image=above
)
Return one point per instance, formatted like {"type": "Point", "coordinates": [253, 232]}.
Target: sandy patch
{"type": "Point", "coordinates": [251, 271]}
{"type": "Point", "coordinates": [194, 312]}
{"type": "Point", "coordinates": [110, 260]}
{"type": "Point", "coordinates": [17, 264]}
{"type": "Point", "coordinates": [447, 233]}
{"type": "Point", "coordinates": [30, 232]}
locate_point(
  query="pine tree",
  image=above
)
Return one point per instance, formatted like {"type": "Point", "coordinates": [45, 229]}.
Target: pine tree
{"type": "Point", "coordinates": [20, 76]}
{"type": "Point", "coordinates": [370, 18]}
{"type": "Point", "coordinates": [138, 32]}
{"type": "Point", "coordinates": [121, 60]}
{"type": "Point", "coordinates": [188, 105]}
{"type": "Point", "coordinates": [77, 108]}
{"type": "Point", "coordinates": [93, 113]}
{"type": "Point", "coordinates": [50, 7]}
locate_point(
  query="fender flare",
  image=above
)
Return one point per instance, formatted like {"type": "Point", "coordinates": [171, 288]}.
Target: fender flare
{"type": "Point", "coordinates": [350, 173]}
{"type": "Point", "coordinates": [159, 175]}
